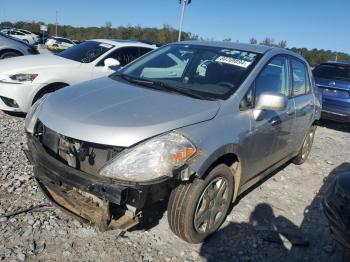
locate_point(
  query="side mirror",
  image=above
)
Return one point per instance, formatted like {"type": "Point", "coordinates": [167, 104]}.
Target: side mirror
{"type": "Point", "coordinates": [270, 102]}
{"type": "Point", "coordinates": [109, 62]}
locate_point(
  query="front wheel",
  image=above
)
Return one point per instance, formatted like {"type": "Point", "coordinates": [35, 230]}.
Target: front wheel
{"type": "Point", "coordinates": [197, 209]}
{"type": "Point", "coordinates": [306, 147]}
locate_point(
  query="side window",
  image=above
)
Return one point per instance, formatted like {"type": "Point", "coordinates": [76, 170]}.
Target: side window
{"type": "Point", "coordinates": [300, 82]}
{"type": "Point", "coordinates": [273, 78]}
{"type": "Point", "coordinates": [124, 55]}
{"type": "Point", "coordinates": [144, 50]}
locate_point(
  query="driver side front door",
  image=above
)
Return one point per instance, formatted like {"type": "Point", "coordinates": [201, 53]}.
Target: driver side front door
{"type": "Point", "coordinates": [267, 141]}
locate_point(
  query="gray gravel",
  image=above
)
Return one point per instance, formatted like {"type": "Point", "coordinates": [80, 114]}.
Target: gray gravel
{"type": "Point", "coordinates": [279, 219]}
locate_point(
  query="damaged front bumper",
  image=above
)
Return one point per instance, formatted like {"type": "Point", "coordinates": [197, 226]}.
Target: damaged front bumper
{"type": "Point", "coordinates": [93, 199]}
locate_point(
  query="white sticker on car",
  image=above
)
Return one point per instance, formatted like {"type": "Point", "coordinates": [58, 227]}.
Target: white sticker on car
{"type": "Point", "coordinates": [105, 45]}
{"type": "Point", "coordinates": [233, 61]}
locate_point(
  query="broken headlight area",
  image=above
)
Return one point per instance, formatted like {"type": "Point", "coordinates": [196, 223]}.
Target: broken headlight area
{"type": "Point", "coordinates": [66, 170]}
{"type": "Point", "coordinates": [83, 156]}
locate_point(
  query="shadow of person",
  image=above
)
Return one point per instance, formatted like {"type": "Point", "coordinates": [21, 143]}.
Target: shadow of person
{"type": "Point", "coordinates": [265, 238]}
{"type": "Point", "coordinates": [279, 230]}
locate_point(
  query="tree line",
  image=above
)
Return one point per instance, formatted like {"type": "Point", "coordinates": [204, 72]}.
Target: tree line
{"type": "Point", "coordinates": [164, 35]}
{"type": "Point", "coordinates": [313, 56]}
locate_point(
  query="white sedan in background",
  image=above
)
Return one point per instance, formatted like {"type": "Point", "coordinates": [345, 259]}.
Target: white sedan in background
{"type": "Point", "coordinates": [59, 43]}
{"type": "Point", "coordinates": [25, 37]}
{"type": "Point", "coordinates": [23, 80]}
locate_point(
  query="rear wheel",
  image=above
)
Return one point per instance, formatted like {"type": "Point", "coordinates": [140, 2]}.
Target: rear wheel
{"type": "Point", "coordinates": [306, 148]}
{"type": "Point", "coordinates": [8, 54]}
{"type": "Point", "coordinates": [197, 209]}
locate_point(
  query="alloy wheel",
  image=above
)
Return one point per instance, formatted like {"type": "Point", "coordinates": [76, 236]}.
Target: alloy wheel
{"type": "Point", "coordinates": [212, 205]}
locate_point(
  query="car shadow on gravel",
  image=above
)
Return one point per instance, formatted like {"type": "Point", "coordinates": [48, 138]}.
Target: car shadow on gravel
{"type": "Point", "coordinates": [342, 127]}
{"type": "Point", "coordinates": [267, 237]}
{"type": "Point", "coordinates": [151, 216]}
{"type": "Point", "coordinates": [15, 114]}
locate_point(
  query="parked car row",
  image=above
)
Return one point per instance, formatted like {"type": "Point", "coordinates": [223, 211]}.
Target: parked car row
{"type": "Point", "coordinates": [141, 129]}
{"type": "Point", "coordinates": [24, 35]}
{"type": "Point", "coordinates": [53, 43]}
{"type": "Point", "coordinates": [11, 47]}
{"type": "Point", "coordinates": [21, 86]}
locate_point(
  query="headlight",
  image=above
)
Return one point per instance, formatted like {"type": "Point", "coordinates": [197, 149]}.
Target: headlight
{"type": "Point", "coordinates": [33, 114]}
{"type": "Point", "coordinates": [23, 77]}
{"type": "Point", "coordinates": [152, 159]}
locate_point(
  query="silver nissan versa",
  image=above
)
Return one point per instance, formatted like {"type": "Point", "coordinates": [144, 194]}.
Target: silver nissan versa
{"type": "Point", "coordinates": [193, 123]}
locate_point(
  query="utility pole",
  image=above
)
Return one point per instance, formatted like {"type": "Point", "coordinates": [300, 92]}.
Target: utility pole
{"type": "Point", "coordinates": [183, 5]}
{"type": "Point", "coordinates": [56, 21]}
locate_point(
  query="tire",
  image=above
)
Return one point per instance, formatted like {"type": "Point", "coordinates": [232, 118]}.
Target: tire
{"type": "Point", "coordinates": [46, 90]}
{"type": "Point", "coordinates": [306, 147]}
{"type": "Point", "coordinates": [193, 202]}
{"type": "Point", "coordinates": [8, 54]}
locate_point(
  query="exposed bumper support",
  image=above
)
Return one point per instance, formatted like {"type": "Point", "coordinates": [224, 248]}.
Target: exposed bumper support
{"type": "Point", "coordinates": [93, 199]}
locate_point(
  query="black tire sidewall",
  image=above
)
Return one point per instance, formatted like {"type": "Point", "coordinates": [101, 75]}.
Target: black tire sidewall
{"type": "Point", "coordinates": [196, 190]}
{"type": "Point", "coordinates": [6, 55]}
{"type": "Point", "coordinates": [298, 160]}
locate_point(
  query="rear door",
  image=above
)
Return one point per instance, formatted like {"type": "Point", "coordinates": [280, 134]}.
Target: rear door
{"type": "Point", "coordinates": [303, 99]}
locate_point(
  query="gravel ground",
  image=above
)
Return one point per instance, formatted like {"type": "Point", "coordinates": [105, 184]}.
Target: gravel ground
{"type": "Point", "coordinates": [279, 219]}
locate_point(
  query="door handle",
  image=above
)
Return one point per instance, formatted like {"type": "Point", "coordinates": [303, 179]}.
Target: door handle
{"type": "Point", "coordinates": [275, 121]}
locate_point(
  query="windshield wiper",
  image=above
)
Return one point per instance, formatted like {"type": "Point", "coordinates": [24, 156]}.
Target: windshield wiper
{"type": "Point", "coordinates": [161, 86]}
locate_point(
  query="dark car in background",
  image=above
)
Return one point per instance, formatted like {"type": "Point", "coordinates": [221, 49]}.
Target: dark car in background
{"type": "Point", "coordinates": [333, 82]}
{"type": "Point", "coordinates": [336, 206]}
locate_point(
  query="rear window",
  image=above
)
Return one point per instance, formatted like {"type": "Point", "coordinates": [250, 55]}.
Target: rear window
{"type": "Point", "coordinates": [336, 72]}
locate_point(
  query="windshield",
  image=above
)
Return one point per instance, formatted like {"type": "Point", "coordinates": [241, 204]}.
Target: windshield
{"type": "Point", "coordinates": [337, 72]}
{"type": "Point", "coordinates": [86, 52]}
{"type": "Point", "coordinates": [212, 72]}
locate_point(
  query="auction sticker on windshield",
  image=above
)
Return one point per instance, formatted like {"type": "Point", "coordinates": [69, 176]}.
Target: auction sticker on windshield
{"type": "Point", "coordinates": [233, 61]}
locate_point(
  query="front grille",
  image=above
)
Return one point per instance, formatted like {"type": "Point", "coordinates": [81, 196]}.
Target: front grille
{"type": "Point", "coordinates": [84, 156]}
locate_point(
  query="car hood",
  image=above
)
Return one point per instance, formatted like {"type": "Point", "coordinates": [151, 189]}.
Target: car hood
{"type": "Point", "coordinates": [26, 64]}
{"type": "Point", "coordinates": [111, 112]}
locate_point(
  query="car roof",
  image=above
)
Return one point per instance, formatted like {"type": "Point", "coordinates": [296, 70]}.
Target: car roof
{"type": "Point", "coordinates": [121, 42]}
{"type": "Point", "coordinates": [342, 63]}
{"type": "Point", "coordinates": [261, 49]}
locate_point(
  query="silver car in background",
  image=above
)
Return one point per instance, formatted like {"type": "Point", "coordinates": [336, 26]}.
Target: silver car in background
{"type": "Point", "coordinates": [11, 47]}
{"type": "Point", "coordinates": [194, 123]}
